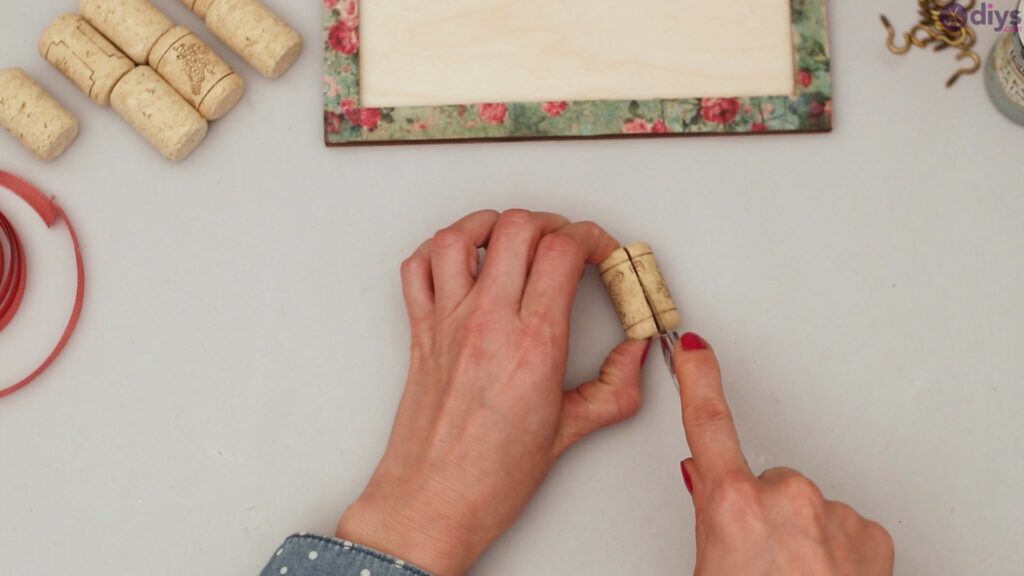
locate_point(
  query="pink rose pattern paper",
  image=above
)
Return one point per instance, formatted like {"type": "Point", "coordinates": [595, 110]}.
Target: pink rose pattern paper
{"type": "Point", "coordinates": [809, 108]}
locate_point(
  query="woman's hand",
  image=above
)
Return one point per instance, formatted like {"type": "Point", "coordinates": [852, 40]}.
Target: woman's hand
{"type": "Point", "coordinates": [773, 525]}
{"type": "Point", "coordinates": [484, 415]}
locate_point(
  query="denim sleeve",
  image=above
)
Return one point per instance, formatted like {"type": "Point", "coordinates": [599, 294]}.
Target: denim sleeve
{"type": "Point", "coordinates": [307, 555]}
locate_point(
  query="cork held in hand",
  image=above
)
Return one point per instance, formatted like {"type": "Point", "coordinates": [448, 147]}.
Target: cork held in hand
{"type": "Point", "coordinates": [639, 293]}
{"type": "Point", "coordinates": [255, 33]}
{"type": "Point", "coordinates": [186, 62]}
{"type": "Point", "coordinates": [34, 117]}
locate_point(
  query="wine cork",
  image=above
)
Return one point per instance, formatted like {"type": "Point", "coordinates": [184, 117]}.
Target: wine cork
{"type": "Point", "coordinates": [159, 113]}
{"type": "Point", "coordinates": [253, 31]}
{"type": "Point", "coordinates": [82, 54]}
{"type": "Point", "coordinates": [197, 73]}
{"type": "Point", "coordinates": [639, 293]}
{"type": "Point", "coordinates": [34, 117]}
{"type": "Point", "coordinates": [134, 26]}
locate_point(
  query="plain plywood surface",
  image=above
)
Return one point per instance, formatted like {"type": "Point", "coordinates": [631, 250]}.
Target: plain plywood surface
{"type": "Point", "coordinates": [465, 51]}
{"type": "Point", "coordinates": [241, 353]}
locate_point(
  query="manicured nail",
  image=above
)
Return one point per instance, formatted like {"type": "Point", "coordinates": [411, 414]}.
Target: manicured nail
{"type": "Point", "coordinates": [686, 477]}
{"type": "Point", "coordinates": [643, 359]}
{"type": "Point", "coordinates": [692, 342]}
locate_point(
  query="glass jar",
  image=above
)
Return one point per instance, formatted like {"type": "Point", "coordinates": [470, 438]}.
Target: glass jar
{"type": "Point", "coordinates": [1004, 73]}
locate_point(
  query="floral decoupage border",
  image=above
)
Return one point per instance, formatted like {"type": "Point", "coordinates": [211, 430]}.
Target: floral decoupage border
{"type": "Point", "coordinates": [807, 109]}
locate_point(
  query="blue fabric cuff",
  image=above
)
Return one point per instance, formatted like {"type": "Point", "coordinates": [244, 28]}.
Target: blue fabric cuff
{"type": "Point", "coordinates": [309, 555]}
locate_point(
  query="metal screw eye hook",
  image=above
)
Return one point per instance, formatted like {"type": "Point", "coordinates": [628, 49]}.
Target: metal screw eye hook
{"type": "Point", "coordinates": [890, 41]}
{"type": "Point", "coordinates": [966, 38]}
{"type": "Point", "coordinates": [974, 67]}
{"type": "Point", "coordinates": [917, 40]}
{"type": "Point", "coordinates": [948, 40]}
{"type": "Point", "coordinates": [970, 38]}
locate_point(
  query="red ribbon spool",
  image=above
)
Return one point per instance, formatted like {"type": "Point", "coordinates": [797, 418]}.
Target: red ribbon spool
{"type": "Point", "coordinates": [14, 268]}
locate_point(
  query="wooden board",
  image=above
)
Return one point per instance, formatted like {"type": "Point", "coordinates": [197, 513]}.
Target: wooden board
{"type": "Point", "coordinates": [441, 52]}
{"type": "Point", "coordinates": [442, 70]}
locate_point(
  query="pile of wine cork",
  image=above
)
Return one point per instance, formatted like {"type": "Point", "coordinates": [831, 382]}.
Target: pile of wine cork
{"type": "Point", "coordinates": [639, 292]}
{"type": "Point", "coordinates": [161, 78]}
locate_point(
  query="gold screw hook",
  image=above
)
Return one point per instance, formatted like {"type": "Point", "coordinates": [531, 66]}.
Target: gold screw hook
{"type": "Point", "coordinates": [890, 41]}
{"type": "Point", "coordinates": [974, 67]}
{"type": "Point", "coordinates": [916, 39]}
{"type": "Point", "coordinates": [942, 26]}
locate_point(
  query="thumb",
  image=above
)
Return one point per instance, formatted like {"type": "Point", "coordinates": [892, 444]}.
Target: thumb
{"type": "Point", "coordinates": [615, 395]}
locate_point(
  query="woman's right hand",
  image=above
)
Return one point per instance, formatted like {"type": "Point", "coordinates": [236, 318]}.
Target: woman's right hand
{"type": "Point", "coordinates": [774, 524]}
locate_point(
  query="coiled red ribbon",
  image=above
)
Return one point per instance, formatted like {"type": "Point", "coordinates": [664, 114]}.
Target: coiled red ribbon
{"type": "Point", "coordinates": [13, 268]}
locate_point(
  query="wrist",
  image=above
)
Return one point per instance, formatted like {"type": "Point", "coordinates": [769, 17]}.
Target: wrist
{"type": "Point", "coordinates": [425, 536]}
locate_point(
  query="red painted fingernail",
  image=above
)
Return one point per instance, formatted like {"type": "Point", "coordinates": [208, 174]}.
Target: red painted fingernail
{"type": "Point", "coordinates": [692, 342]}
{"type": "Point", "coordinates": [643, 359]}
{"type": "Point", "coordinates": [686, 477]}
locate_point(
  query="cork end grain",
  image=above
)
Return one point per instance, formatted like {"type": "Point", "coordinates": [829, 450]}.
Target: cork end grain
{"type": "Point", "coordinates": [223, 97]}
{"type": "Point", "coordinates": [255, 33]}
{"type": "Point", "coordinates": [63, 140]}
{"type": "Point", "coordinates": [286, 57]}
{"type": "Point", "coordinates": [62, 134]}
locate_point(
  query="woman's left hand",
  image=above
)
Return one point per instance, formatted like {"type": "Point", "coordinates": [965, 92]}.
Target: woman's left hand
{"type": "Point", "coordinates": [484, 415]}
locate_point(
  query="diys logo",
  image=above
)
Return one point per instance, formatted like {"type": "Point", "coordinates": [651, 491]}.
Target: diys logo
{"type": "Point", "coordinates": [955, 17]}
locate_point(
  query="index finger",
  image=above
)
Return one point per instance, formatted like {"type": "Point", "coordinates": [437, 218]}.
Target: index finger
{"type": "Point", "coordinates": [710, 430]}
{"type": "Point", "coordinates": [558, 265]}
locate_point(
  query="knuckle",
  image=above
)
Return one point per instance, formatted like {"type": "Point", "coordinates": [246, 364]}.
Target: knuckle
{"type": "Point", "coordinates": [591, 229]}
{"type": "Point", "coordinates": [802, 489]}
{"type": "Point", "coordinates": [778, 472]}
{"type": "Point", "coordinates": [845, 514]}
{"type": "Point", "coordinates": [413, 265]}
{"type": "Point", "coordinates": [708, 412]}
{"type": "Point", "coordinates": [515, 217]}
{"type": "Point", "coordinates": [561, 244]}
{"type": "Point", "coordinates": [803, 501]}
{"type": "Point", "coordinates": [882, 537]}
{"type": "Point", "coordinates": [852, 522]}
{"type": "Point", "coordinates": [449, 238]}
{"type": "Point", "coordinates": [735, 501]}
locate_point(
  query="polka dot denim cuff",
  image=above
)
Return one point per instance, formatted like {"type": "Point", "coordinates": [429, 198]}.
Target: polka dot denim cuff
{"type": "Point", "coordinates": [308, 555]}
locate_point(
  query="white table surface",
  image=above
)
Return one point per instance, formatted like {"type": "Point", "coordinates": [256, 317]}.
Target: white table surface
{"type": "Point", "coordinates": [242, 349]}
